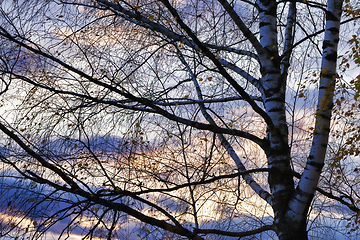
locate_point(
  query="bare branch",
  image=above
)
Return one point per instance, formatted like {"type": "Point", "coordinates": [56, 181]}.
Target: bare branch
{"type": "Point", "coordinates": [236, 234]}
{"type": "Point", "coordinates": [226, 75]}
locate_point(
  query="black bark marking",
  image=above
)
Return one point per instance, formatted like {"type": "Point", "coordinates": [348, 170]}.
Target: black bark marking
{"type": "Point", "coordinates": [278, 98]}
{"type": "Point", "coordinates": [303, 193]}
{"type": "Point", "coordinates": [279, 109]}
{"type": "Point", "coordinates": [327, 43]}
{"type": "Point", "coordinates": [331, 17]}
{"type": "Point", "coordinates": [327, 75]}
{"type": "Point", "coordinates": [333, 30]}
{"type": "Point", "coordinates": [324, 145]}
{"type": "Point", "coordinates": [331, 57]}
{"type": "Point", "coordinates": [262, 24]}
{"type": "Point", "coordinates": [327, 129]}
{"type": "Point", "coordinates": [272, 91]}
{"type": "Point", "coordinates": [324, 116]}
{"type": "Point", "coordinates": [277, 162]}
{"type": "Point", "coordinates": [316, 165]}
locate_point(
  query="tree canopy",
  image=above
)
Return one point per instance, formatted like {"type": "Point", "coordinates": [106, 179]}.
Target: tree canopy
{"type": "Point", "coordinates": [179, 119]}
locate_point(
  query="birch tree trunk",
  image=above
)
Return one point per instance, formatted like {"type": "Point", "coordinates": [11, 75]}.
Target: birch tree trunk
{"type": "Point", "coordinates": [172, 95]}
{"type": "Point", "coordinates": [294, 222]}
{"type": "Point", "coordinates": [280, 176]}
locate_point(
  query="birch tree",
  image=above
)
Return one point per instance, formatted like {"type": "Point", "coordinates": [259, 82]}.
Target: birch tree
{"type": "Point", "coordinates": [177, 119]}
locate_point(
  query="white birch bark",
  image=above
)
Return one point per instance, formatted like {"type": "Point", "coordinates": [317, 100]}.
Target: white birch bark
{"type": "Point", "coordinates": [299, 205]}
{"type": "Point", "coordinates": [278, 155]}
